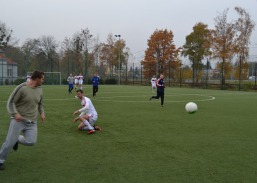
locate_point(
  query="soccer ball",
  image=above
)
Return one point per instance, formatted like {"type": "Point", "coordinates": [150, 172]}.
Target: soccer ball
{"type": "Point", "coordinates": [191, 107]}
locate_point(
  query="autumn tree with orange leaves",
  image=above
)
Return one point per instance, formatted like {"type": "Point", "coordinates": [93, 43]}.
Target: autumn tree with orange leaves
{"type": "Point", "coordinates": [161, 55]}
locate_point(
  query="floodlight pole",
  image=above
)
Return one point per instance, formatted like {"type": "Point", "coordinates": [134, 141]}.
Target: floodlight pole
{"type": "Point", "coordinates": [141, 73]}
{"type": "Point", "coordinates": [207, 72]}
{"type": "Point", "coordinates": [255, 76]}
{"type": "Point", "coordinates": [119, 67]}
{"type": "Point", "coordinates": [1, 51]}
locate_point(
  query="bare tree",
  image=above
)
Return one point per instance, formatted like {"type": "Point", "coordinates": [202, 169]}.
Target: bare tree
{"type": "Point", "coordinates": [94, 56]}
{"type": "Point", "coordinates": [5, 35]}
{"type": "Point", "coordinates": [29, 49]}
{"type": "Point", "coordinates": [67, 63]}
{"type": "Point", "coordinates": [223, 43]}
{"type": "Point", "coordinates": [244, 27]}
{"type": "Point", "coordinates": [48, 49]}
{"type": "Point", "coordinates": [86, 40]}
{"type": "Point", "coordinates": [77, 47]}
{"type": "Point", "coordinates": [107, 53]}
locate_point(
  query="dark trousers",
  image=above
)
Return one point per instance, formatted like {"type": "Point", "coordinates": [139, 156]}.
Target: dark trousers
{"type": "Point", "coordinates": [95, 90]}
{"type": "Point", "coordinates": [159, 94]}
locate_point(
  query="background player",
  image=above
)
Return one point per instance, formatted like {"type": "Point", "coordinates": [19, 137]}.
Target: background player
{"type": "Point", "coordinates": [153, 82]}
{"type": "Point", "coordinates": [28, 78]}
{"type": "Point", "coordinates": [70, 81]}
{"type": "Point", "coordinates": [76, 81]}
{"type": "Point", "coordinates": [95, 82]}
{"type": "Point", "coordinates": [80, 80]}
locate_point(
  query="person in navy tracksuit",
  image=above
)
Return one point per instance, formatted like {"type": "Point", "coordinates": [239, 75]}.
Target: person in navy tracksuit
{"type": "Point", "coordinates": [160, 89]}
{"type": "Point", "coordinates": [95, 82]}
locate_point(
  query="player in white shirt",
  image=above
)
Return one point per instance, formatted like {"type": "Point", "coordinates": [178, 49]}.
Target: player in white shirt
{"type": "Point", "coordinates": [76, 81]}
{"type": "Point", "coordinates": [28, 78]}
{"type": "Point", "coordinates": [80, 80]}
{"type": "Point", "coordinates": [88, 114]}
{"type": "Point", "coordinates": [153, 82]}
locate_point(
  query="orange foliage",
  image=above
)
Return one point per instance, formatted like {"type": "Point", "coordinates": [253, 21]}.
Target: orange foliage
{"type": "Point", "coordinates": [161, 50]}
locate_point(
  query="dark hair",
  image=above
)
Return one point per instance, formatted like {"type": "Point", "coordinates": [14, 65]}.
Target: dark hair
{"type": "Point", "coordinates": [37, 74]}
{"type": "Point", "coordinates": [81, 91]}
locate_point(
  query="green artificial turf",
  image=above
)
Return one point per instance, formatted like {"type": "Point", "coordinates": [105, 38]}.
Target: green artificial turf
{"type": "Point", "coordinates": [140, 141]}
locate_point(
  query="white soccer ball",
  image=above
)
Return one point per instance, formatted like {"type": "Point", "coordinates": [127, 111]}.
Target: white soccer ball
{"type": "Point", "coordinates": [191, 107]}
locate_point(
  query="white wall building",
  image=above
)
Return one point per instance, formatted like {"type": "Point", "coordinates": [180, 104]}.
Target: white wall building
{"type": "Point", "coordinates": [8, 70]}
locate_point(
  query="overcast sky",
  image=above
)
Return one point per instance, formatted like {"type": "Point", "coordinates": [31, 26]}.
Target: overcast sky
{"type": "Point", "coordinates": [134, 20]}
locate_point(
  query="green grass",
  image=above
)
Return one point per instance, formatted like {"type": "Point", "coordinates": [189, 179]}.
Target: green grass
{"type": "Point", "coordinates": [140, 141]}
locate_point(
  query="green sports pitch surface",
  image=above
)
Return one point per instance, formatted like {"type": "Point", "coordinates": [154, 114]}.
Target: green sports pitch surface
{"type": "Point", "coordinates": [140, 141]}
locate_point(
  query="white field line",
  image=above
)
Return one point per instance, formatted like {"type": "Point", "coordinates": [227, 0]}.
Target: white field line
{"type": "Point", "coordinates": [110, 99]}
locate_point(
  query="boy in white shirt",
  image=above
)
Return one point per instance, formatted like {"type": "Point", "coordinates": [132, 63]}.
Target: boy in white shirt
{"type": "Point", "coordinates": [88, 114]}
{"type": "Point", "coordinates": [28, 78]}
{"type": "Point", "coordinates": [80, 80]}
{"type": "Point", "coordinates": [153, 82]}
{"type": "Point", "coordinates": [76, 81]}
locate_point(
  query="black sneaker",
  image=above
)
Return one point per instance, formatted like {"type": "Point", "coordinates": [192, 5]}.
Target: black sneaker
{"type": "Point", "coordinates": [1, 166]}
{"type": "Point", "coordinates": [150, 98]}
{"type": "Point", "coordinates": [15, 147]}
{"type": "Point", "coordinates": [97, 128]}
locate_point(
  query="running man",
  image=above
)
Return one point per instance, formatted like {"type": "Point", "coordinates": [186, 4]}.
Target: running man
{"type": "Point", "coordinates": [24, 105]}
{"type": "Point", "coordinates": [160, 90]}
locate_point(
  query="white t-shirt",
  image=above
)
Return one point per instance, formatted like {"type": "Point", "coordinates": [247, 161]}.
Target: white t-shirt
{"type": "Point", "coordinates": [80, 79]}
{"type": "Point", "coordinates": [28, 78]}
{"type": "Point", "coordinates": [88, 107]}
{"type": "Point", "coordinates": [76, 79]}
{"type": "Point", "coordinates": [153, 81]}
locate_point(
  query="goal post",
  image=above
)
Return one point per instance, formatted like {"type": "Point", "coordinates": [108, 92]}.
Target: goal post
{"type": "Point", "coordinates": [52, 78]}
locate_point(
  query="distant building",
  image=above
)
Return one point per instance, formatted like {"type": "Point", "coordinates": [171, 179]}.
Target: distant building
{"type": "Point", "coordinates": [252, 68]}
{"type": "Point", "coordinates": [8, 70]}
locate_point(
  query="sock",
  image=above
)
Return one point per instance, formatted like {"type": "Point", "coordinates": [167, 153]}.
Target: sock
{"type": "Point", "coordinates": [88, 125]}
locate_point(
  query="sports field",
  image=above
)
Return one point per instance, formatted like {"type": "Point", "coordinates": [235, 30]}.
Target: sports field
{"type": "Point", "coordinates": [140, 141]}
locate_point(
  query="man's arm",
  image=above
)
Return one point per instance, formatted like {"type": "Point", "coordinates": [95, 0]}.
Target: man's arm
{"type": "Point", "coordinates": [41, 109]}
{"type": "Point", "coordinates": [14, 97]}
{"type": "Point", "coordinates": [82, 109]}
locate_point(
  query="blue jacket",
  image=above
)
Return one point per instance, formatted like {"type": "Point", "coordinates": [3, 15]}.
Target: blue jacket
{"type": "Point", "coordinates": [95, 80]}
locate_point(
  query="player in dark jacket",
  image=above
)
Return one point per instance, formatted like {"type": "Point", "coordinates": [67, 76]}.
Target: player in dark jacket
{"type": "Point", "coordinates": [95, 81]}
{"type": "Point", "coordinates": [160, 89]}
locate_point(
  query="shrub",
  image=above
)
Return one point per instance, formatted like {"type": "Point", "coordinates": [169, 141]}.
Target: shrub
{"type": "Point", "coordinates": [110, 81]}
